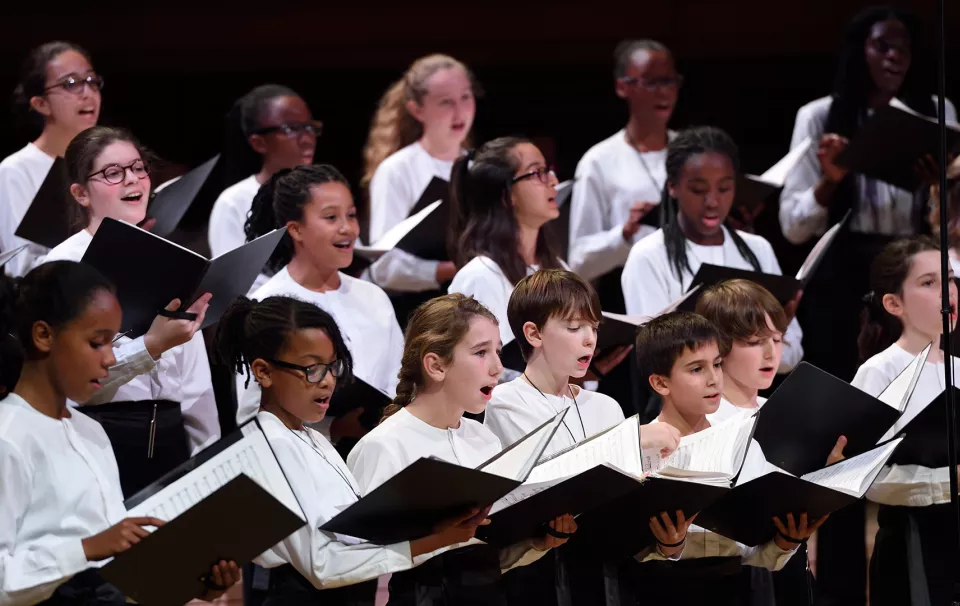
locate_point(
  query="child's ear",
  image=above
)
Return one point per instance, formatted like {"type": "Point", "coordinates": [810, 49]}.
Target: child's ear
{"type": "Point", "coordinates": [42, 336]}
{"type": "Point", "coordinates": [415, 110]}
{"type": "Point", "coordinates": [660, 384]}
{"type": "Point", "coordinates": [433, 367]}
{"type": "Point", "coordinates": [258, 143]}
{"type": "Point", "coordinates": [261, 372]}
{"type": "Point", "coordinates": [892, 304]}
{"type": "Point", "coordinates": [532, 334]}
{"type": "Point", "coordinates": [80, 194]}
{"type": "Point", "coordinates": [672, 189]}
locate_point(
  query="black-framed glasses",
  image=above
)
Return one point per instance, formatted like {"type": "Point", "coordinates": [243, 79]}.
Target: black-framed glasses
{"type": "Point", "coordinates": [543, 174]}
{"type": "Point", "coordinates": [114, 173]}
{"type": "Point", "coordinates": [655, 84]}
{"type": "Point", "coordinates": [75, 84]}
{"type": "Point", "coordinates": [313, 127]}
{"type": "Point", "coordinates": [315, 372]}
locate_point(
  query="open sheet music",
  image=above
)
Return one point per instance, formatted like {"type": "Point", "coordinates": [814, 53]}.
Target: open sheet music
{"type": "Point", "coordinates": [715, 454]}
{"type": "Point", "coordinates": [251, 456]}
{"type": "Point", "coordinates": [855, 475]}
{"type": "Point", "coordinates": [815, 256]}
{"type": "Point", "coordinates": [517, 460]}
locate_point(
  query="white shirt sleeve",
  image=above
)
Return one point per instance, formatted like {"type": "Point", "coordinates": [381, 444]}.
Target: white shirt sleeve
{"type": "Point", "coordinates": [16, 195]}
{"type": "Point", "coordinates": [397, 270]}
{"type": "Point", "coordinates": [203, 421]}
{"type": "Point", "coordinates": [801, 216]}
{"type": "Point", "coordinates": [768, 555]}
{"type": "Point", "coordinates": [225, 230]}
{"type": "Point", "coordinates": [29, 572]}
{"type": "Point", "coordinates": [372, 464]}
{"type": "Point", "coordinates": [485, 284]}
{"type": "Point", "coordinates": [133, 360]}
{"type": "Point", "coordinates": [502, 420]}
{"type": "Point", "coordinates": [645, 284]}
{"type": "Point", "coordinates": [319, 556]}
{"type": "Point", "coordinates": [596, 245]}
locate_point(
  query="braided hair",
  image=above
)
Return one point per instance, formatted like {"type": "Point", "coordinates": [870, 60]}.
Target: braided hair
{"type": "Point", "coordinates": [685, 145]}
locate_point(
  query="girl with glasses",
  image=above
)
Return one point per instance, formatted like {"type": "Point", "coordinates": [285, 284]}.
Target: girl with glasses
{"type": "Point", "coordinates": [315, 206]}
{"type": "Point", "coordinates": [297, 355]}
{"type": "Point", "coordinates": [269, 129]}
{"type": "Point", "coordinates": [168, 378]}
{"type": "Point", "coordinates": [58, 95]}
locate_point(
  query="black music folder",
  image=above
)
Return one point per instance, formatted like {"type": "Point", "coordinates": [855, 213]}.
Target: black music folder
{"type": "Point", "coordinates": [149, 272]}
{"type": "Point", "coordinates": [231, 502]}
{"type": "Point", "coordinates": [753, 190]}
{"type": "Point", "coordinates": [746, 513]}
{"type": "Point", "coordinates": [359, 394]}
{"type": "Point", "coordinates": [423, 233]}
{"type": "Point", "coordinates": [924, 429]}
{"type": "Point", "coordinates": [410, 504]}
{"type": "Point", "coordinates": [801, 422]}
{"type": "Point", "coordinates": [6, 256]}
{"type": "Point", "coordinates": [50, 218]}
{"type": "Point", "coordinates": [173, 199]}
{"type": "Point", "coordinates": [891, 141]}
{"type": "Point", "coordinates": [783, 288]}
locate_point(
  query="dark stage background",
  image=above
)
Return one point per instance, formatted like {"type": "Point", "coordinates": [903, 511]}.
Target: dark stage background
{"type": "Point", "coordinates": [173, 69]}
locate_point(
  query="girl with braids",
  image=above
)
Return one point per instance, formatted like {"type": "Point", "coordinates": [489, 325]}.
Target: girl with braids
{"type": "Point", "coordinates": [315, 205]}
{"type": "Point", "coordinates": [62, 511]}
{"type": "Point", "coordinates": [450, 366]}
{"type": "Point", "coordinates": [295, 352]}
{"type": "Point", "coordinates": [170, 388]}
{"type": "Point", "coordinates": [420, 128]}
{"type": "Point", "coordinates": [911, 559]}
{"type": "Point", "coordinates": [702, 168]}
{"type": "Point", "coordinates": [268, 129]}
{"type": "Point", "coordinates": [59, 94]}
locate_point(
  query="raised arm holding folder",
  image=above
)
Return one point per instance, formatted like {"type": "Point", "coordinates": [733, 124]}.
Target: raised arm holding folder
{"type": "Point", "coordinates": [149, 272]}
{"type": "Point", "coordinates": [231, 502]}
{"type": "Point", "coordinates": [410, 504]}
{"type": "Point", "coordinates": [746, 513]}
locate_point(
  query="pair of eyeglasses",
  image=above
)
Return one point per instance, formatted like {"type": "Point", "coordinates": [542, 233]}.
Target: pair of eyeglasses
{"type": "Point", "coordinates": [313, 127]}
{"type": "Point", "coordinates": [75, 84]}
{"type": "Point", "coordinates": [543, 174]}
{"type": "Point", "coordinates": [114, 173]}
{"type": "Point", "coordinates": [656, 84]}
{"type": "Point", "coordinates": [315, 372]}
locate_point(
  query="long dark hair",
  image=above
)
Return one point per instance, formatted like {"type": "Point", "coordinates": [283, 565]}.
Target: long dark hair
{"type": "Point", "coordinates": [33, 77]}
{"type": "Point", "coordinates": [853, 85]}
{"type": "Point", "coordinates": [482, 221]}
{"type": "Point", "coordinates": [281, 200]}
{"type": "Point", "coordinates": [878, 329]}
{"type": "Point", "coordinates": [249, 330]}
{"type": "Point", "coordinates": [243, 119]}
{"type": "Point", "coordinates": [689, 143]}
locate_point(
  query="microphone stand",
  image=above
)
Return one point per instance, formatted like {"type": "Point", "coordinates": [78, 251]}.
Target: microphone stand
{"type": "Point", "coordinates": [945, 281]}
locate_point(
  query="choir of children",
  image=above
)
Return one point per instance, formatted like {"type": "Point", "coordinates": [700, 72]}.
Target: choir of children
{"type": "Point", "coordinates": [89, 417]}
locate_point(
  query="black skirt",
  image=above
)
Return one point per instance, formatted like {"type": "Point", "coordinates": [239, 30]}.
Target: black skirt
{"type": "Point", "coordinates": [715, 581]}
{"type": "Point", "coordinates": [912, 557]}
{"type": "Point", "coordinates": [129, 426]}
{"type": "Point", "coordinates": [466, 576]}
{"type": "Point", "coordinates": [86, 589]}
{"type": "Point", "coordinates": [289, 588]}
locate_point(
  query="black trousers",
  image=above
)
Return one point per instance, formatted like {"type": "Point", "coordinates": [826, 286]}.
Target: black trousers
{"type": "Point", "coordinates": [913, 558]}
{"type": "Point", "coordinates": [713, 581]}
{"type": "Point", "coordinates": [468, 576]}
{"type": "Point", "coordinates": [86, 589]}
{"type": "Point", "coordinates": [289, 588]}
{"type": "Point", "coordinates": [128, 425]}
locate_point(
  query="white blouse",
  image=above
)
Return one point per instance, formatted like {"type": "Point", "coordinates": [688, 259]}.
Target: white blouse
{"type": "Point", "coordinates": [395, 188]}
{"type": "Point", "coordinates": [727, 410]}
{"type": "Point", "coordinates": [182, 374]}
{"type": "Point", "coordinates": [802, 217]}
{"type": "Point", "coordinates": [229, 215]}
{"type": "Point", "coordinates": [650, 284]}
{"type": "Point", "coordinates": [60, 485]}
{"type": "Point", "coordinates": [703, 543]}
{"type": "Point", "coordinates": [906, 485]}
{"type": "Point", "coordinates": [366, 319]}
{"type": "Point", "coordinates": [324, 487]}
{"type": "Point", "coordinates": [21, 175]}
{"type": "Point", "coordinates": [517, 408]}
{"type": "Point", "coordinates": [610, 178]}
{"type": "Point", "coordinates": [402, 439]}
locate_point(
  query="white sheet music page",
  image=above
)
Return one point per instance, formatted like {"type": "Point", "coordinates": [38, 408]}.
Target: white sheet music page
{"type": "Point", "coordinates": [251, 456]}
{"type": "Point", "coordinates": [715, 454]}
{"type": "Point", "coordinates": [396, 233]}
{"type": "Point", "coordinates": [517, 460]}
{"type": "Point", "coordinates": [854, 476]}
{"type": "Point", "coordinates": [618, 448]}
{"type": "Point", "coordinates": [818, 250]}
{"type": "Point", "coordinates": [897, 393]}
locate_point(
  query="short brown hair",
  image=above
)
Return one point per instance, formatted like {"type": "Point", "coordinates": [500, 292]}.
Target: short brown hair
{"type": "Point", "coordinates": [739, 310]}
{"type": "Point", "coordinates": [550, 293]}
{"type": "Point", "coordinates": [661, 341]}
